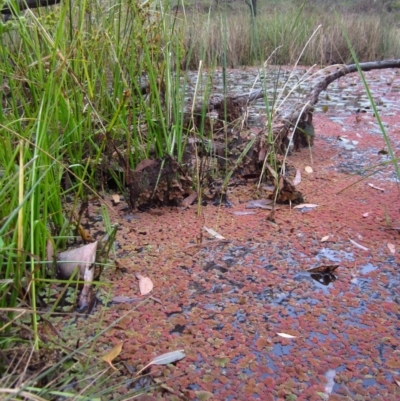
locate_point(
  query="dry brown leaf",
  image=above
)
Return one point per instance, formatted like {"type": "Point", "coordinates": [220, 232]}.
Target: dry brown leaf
{"type": "Point", "coordinates": [85, 235]}
{"type": "Point", "coordinates": [392, 248]}
{"type": "Point", "coordinates": [111, 355]}
{"type": "Point", "coordinates": [189, 200]}
{"type": "Point", "coordinates": [308, 169]}
{"type": "Point", "coordinates": [144, 164]}
{"type": "Point", "coordinates": [297, 178]}
{"type": "Point", "coordinates": [116, 198]}
{"type": "Point", "coordinates": [145, 284]}
{"type": "Point", "coordinates": [49, 251]}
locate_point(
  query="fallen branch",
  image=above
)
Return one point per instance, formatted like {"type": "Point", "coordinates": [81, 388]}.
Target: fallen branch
{"type": "Point", "coordinates": [25, 4]}
{"type": "Point", "coordinates": [304, 114]}
{"type": "Point", "coordinates": [301, 116]}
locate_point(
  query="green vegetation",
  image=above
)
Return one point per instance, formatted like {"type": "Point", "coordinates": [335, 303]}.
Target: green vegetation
{"type": "Point", "coordinates": [70, 87]}
{"type": "Point", "coordinates": [83, 79]}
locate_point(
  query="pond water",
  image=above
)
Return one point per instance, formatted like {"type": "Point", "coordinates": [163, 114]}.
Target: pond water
{"type": "Point", "coordinates": [288, 88]}
{"type": "Point", "coordinates": [232, 304]}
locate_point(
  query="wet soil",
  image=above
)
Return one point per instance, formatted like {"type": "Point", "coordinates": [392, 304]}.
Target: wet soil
{"type": "Point", "coordinates": [230, 304]}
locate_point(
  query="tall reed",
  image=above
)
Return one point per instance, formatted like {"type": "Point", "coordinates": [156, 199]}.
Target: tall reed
{"type": "Point", "coordinates": [374, 36]}
{"type": "Point", "coordinates": [73, 78]}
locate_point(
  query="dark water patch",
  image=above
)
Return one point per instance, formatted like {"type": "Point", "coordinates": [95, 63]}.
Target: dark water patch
{"type": "Point", "coordinates": [142, 383]}
{"type": "Point", "coordinates": [214, 307]}
{"type": "Point", "coordinates": [239, 251]}
{"type": "Point", "coordinates": [241, 316]}
{"type": "Point", "coordinates": [195, 287]}
{"type": "Point", "coordinates": [269, 267]}
{"type": "Point", "coordinates": [229, 260]}
{"type": "Point", "coordinates": [219, 327]}
{"type": "Point", "coordinates": [214, 266]}
{"type": "Point", "coordinates": [187, 308]}
{"type": "Point", "coordinates": [271, 296]}
{"type": "Point", "coordinates": [178, 329]}
{"type": "Point", "coordinates": [217, 289]}
{"type": "Point", "coordinates": [130, 217]}
{"type": "Point", "coordinates": [236, 285]}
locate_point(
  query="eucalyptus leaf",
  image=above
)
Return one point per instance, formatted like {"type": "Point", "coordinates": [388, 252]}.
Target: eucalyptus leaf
{"type": "Point", "coordinates": [165, 359]}
{"type": "Point", "coordinates": [168, 357]}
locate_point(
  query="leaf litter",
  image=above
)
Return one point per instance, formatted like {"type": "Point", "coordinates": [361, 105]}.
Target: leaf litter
{"type": "Point", "coordinates": [356, 244]}
{"type": "Point", "coordinates": [297, 178]}
{"type": "Point", "coordinates": [213, 233]}
{"type": "Point", "coordinates": [305, 205]}
{"type": "Point", "coordinates": [145, 284]}
{"type": "Point", "coordinates": [165, 359]}
{"type": "Point", "coordinates": [111, 355]}
{"type": "Point", "coordinates": [284, 335]}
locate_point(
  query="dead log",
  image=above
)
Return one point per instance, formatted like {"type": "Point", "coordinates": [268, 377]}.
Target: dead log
{"type": "Point", "coordinates": [25, 4]}
{"type": "Point", "coordinates": [304, 116]}
{"type": "Point", "coordinates": [297, 124]}
{"type": "Point", "coordinates": [301, 117]}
